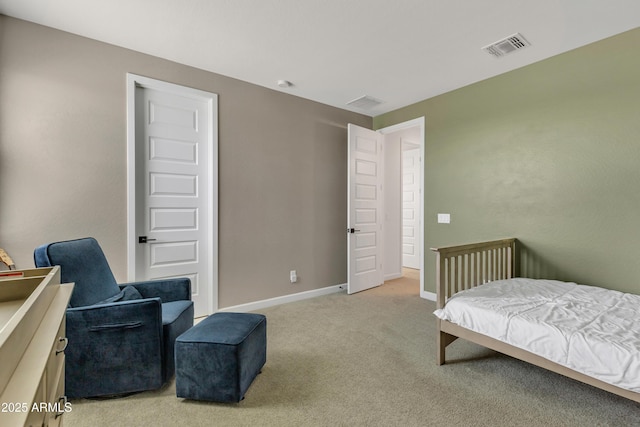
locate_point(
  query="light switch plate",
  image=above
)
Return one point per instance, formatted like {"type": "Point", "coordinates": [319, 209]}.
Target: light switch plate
{"type": "Point", "coordinates": [444, 218]}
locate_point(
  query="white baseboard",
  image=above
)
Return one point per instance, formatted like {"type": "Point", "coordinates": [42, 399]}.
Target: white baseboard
{"type": "Point", "coordinates": [392, 276]}
{"type": "Point", "coordinates": [431, 296]}
{"type": "Point", "coordinates": [258, 305]}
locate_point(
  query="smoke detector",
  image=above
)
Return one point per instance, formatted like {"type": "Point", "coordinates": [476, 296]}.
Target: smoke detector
{"type": "Point", "coordinates": [507, 45]}
{"type": "Point", "coordinates": [365, 102]}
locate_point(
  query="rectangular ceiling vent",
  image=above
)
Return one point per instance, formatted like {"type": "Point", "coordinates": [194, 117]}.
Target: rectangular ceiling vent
{"type": "Point", "coordinates": [507, 45]}
{"type": "Point", "coordinates": [365, 102]}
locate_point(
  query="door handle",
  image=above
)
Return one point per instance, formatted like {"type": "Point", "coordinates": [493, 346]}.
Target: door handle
{"type": "Point", "coordinates": [145, 239]}
{"type": "Point", "coordinates": [352, 230]}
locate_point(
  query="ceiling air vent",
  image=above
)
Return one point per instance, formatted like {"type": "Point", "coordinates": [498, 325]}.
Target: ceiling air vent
{"type": "Point", "coordinates": [507, 45]}
{"type": "Point", "coordinates": [365, 102]}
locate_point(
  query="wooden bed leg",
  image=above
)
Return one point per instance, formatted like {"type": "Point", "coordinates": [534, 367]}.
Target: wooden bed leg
{"type": "Point", "coordinates": [441, 348]}
{"type": "Point", "coordinates": [442, 341]}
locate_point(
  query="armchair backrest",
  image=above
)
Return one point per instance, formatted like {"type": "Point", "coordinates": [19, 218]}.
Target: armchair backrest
{"type": "Point", "coordinates": [81, 261]}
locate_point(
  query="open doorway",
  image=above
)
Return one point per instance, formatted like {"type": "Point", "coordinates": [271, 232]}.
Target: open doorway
{"type": "Point", "coordinates": [404, 202]}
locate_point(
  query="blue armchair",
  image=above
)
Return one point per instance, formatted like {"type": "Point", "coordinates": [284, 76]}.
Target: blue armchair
{"type": "Point", "coordinates": [121, 337]}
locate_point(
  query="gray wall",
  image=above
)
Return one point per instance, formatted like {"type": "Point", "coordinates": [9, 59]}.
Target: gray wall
{"type": "Point", "coordinates": [548, 154]}
{"type": "Point", "coordinates": [282, 168]}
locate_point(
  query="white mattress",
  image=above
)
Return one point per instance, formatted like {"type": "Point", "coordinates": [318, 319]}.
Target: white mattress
{"type": "Point", "coordinates": [591, 330]}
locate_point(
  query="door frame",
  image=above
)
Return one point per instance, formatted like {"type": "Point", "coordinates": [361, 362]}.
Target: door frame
{"type": "Point", "coordinates": [420, 123]}
{"type": "Point", "coordinates": [134, 81]}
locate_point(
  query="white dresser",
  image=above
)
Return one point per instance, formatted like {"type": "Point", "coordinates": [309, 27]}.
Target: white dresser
{"type": "Point", "coordinates": [32, 343]}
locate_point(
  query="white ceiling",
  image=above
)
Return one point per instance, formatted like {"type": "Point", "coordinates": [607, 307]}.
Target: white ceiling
{"type": "Point", "coordinates": [333, 51]}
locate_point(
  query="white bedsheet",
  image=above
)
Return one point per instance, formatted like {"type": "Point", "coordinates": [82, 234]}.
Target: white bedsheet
{"type": "Point", "coordinates": [591, 330]}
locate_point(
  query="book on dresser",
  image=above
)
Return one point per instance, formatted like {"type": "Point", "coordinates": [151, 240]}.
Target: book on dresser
{"type": "Point", "coordinates": [32, 341]}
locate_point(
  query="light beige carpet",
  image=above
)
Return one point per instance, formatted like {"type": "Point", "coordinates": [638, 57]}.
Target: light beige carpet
{"type": "Point", "coordinates": [369, 360]}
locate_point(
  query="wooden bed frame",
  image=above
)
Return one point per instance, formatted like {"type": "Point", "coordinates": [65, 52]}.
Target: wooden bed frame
{"type": "Point", "coordinates": [467, 266]}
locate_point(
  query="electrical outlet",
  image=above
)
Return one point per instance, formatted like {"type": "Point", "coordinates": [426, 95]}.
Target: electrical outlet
{"type": "Point", "coordinates": [293, 276]}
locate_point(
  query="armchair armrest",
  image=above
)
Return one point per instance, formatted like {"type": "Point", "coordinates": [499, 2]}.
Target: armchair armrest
{"type": "Point", "coordinates": [148, 311]}
{"type": "Point", "coordinates": [166, 289]}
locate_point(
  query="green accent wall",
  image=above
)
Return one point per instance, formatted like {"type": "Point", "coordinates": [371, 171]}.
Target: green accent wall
{"type": "Point", "coordinates": [549, 154]}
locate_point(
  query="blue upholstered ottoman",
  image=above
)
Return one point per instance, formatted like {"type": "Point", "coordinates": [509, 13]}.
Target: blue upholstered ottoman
{"type": "Point", "coordinates": [218, 359]}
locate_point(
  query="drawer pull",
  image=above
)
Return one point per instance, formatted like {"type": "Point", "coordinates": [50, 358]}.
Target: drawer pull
{"type": "Point", "coordinates": [62, 403]}
{"type": "Point", "coordinates": [64, 340]}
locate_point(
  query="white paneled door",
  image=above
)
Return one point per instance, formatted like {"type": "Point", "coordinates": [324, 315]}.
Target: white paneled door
{"type": "Point", "coordinates": [174, 191]}
{"type": "Point", "coordinates": [365, 209]}
{"type": "Point", "coordinates": [411, 208]}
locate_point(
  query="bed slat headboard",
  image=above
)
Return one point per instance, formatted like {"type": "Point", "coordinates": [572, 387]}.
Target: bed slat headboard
{"type": "Point", "coordinates": [466, 266]}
